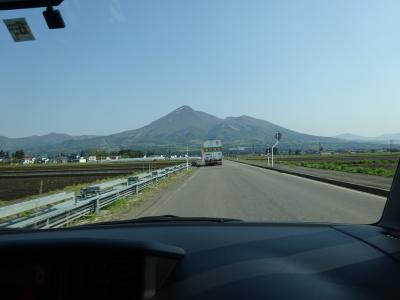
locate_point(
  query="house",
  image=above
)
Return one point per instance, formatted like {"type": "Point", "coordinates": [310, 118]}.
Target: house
{"type": "Point", "coordinates": [82, 160]}
{"type": "Point", "coordinates": [27, 160]}
{"type": "Point", "coordinates": [73, 158]}
{"type": "Point", "coordinates": [42, 159]}
{"type": "Point", "coordinates": [92, 159]}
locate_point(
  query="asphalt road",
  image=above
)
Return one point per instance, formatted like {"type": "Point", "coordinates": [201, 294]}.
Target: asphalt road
{"type": "Point", "coordinates": [245, 192]}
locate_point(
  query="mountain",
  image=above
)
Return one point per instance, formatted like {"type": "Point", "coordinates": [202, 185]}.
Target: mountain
{"type": "Point", "coordinates": [351, 137]}
{"type": "Point", "coordinates": [247, 130]}
{"type": "Point", "coordinates": [38, 141]}
{"type": "Point", "coordinates": [183, 126]}
{"type": "Point", "coordinates": [180, 127]}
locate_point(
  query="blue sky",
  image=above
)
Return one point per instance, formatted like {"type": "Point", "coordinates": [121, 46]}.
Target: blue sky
{"type": "Point", "coordinates": [316, 66]}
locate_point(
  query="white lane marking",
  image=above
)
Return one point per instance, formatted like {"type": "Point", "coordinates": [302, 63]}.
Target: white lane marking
{"type": "Point", "coordinates": [161, 203]}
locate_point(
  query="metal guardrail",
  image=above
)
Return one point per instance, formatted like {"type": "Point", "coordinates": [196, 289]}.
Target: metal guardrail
{"type": "Point", "coordinates": [68, 211]}
{"type": "Point", "coordinates": [10, 210]}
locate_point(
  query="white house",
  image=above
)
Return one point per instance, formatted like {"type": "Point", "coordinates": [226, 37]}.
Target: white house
{"type": "Point", "coordinates": [92, 158]}
{"type": "Point", "coordinates": [27, 161]}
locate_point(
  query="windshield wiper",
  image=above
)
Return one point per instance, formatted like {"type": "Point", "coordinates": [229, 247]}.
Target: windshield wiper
{"type": "Point", "coordinates": [165, 219]}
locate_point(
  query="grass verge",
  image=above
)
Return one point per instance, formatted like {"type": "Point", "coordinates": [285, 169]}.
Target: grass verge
{"type": "Point", "coordinates": [379, 164]}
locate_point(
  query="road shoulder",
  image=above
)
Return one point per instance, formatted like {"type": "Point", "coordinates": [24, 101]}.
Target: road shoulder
{"type": "Point", "coordinates": [147, 201]}
{"type": "Point", "coordinates": [343, 179]}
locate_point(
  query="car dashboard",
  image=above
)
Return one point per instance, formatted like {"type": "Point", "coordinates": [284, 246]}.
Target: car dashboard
{"type": "Point", "coordinates": [201, 261]}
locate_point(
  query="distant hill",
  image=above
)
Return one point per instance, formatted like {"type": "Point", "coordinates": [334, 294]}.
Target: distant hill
{"type": "Point", "coordinates": [386, 137]}
{"type": "Point", "coordinates": [38, 141]}
{"type": "Point", "coordinates": [380, 138]}
{"type": "Point", "coordinates": [183, 126]}
{"type": "Point", "coordinates": [351, 137]}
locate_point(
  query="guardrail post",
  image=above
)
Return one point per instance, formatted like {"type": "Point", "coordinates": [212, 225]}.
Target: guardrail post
{"type": "Point", "coordinates": [96, 205]}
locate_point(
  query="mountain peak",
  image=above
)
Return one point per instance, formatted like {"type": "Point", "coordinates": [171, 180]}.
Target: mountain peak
{"type": "Point", "coordinates": [184, 108]}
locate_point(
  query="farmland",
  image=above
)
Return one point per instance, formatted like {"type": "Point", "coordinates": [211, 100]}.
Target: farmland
{"type": "Point", "coordinates": [380, 164]}
{"type": "Point", "coordinates": [18, 182]}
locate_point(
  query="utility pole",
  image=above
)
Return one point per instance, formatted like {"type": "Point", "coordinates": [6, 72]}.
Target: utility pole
{"type": "Point", "coordinates": [272, 154]}
{"type": "Point", "coordinates": [187, 157]}
{"type": "Point", "coordinates": [268, 153]}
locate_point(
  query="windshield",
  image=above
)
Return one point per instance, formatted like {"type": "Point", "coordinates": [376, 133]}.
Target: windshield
{"type": "Point", "coordinates": [270, 111]}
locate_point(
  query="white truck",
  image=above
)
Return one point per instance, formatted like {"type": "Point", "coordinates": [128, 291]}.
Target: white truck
{"type": "Point", "coordinates": [212, 152]}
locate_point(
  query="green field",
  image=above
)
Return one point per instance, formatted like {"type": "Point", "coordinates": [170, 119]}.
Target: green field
{"type": "Point", "coordinates": [381, 164]}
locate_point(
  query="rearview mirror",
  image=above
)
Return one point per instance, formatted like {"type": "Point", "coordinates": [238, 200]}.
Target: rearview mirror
{"type": "Point", "coordinates": [21, 4]}
{"type": "Point", "coordinates": [53, 17]}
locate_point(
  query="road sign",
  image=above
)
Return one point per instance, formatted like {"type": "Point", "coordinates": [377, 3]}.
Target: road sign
{"type": "Point", "coordinates": [19, 30]}
{"type": "Point", "coordinates": [278, 136]}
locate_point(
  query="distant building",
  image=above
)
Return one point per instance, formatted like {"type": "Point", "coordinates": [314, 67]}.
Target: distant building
{"type": "Point", "coordinates": [27, 160]}
{"type": "Point", "coordinates": [62, 160]}
{"type": "Point", "coordinates": [92, 158]}
{"type": "Point", "coordinates": [42, 159]}
{"type": "Point", "coordinates": [326, 153]}
{"type": "Point", "coordinates": [238, 149]}
{"type": "Point", "coordinates": [82, 160]}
